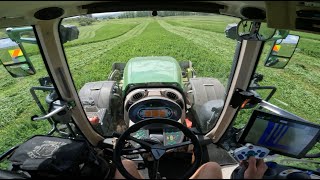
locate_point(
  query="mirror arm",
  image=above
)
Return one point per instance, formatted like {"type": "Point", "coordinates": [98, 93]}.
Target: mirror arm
{"type": "Point", "coordinates": [28, 40]}
{"type": "Point", "coordinates": [273, 90]}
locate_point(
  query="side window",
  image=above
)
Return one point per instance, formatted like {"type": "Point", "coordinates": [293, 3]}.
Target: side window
{"type": "Point", "coordinates": [297, 84]}
{"type": "Point", "coordinates": [17, 104]}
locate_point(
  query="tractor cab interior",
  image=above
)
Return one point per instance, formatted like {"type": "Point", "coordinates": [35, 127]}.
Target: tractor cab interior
{"type": "Point", "coordinates": [169, 86]}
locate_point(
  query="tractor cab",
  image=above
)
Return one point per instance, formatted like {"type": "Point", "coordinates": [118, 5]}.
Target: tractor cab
{"type": "Point", "coordinates": [168, 86]}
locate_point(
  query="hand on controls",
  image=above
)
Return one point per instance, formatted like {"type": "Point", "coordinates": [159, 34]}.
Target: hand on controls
{"type": "Point", "coordinates": [256, 168]}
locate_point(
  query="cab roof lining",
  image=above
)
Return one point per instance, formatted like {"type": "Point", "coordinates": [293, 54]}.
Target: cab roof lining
{"type": "Point", "coordinates": [277, 14]}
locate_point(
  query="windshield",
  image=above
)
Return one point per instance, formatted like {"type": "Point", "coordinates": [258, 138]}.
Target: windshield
{"type": "Point", "coordinates": [178, 57]}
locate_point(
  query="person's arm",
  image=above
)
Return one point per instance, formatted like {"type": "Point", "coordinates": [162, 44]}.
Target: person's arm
{"type": "Point", "coordinates": [256, 168]}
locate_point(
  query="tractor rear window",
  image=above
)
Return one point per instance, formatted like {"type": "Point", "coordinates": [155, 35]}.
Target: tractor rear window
{"type": "Point", "coordinates": [129, 66]}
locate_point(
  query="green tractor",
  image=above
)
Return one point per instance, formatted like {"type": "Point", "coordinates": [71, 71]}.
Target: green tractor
{"type": "Point", "coordinates": [155, 86]}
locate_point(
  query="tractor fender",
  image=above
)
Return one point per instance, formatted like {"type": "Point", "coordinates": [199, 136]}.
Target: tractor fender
{"type": "Point", "coordinates": [206, 96]}
{"type": "Point", "coordinates": [96, 100]}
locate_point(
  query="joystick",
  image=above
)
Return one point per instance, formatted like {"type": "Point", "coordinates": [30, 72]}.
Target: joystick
{"type": "Point", "coordinates": [243, 153]}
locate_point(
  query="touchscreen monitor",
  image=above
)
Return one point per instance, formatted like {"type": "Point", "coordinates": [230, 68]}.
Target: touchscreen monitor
{"type": "Point", "coordinates": [279, 134]}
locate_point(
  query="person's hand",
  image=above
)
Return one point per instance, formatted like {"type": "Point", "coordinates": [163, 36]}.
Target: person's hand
{"type": "Point", "coordinates": [256, 168]}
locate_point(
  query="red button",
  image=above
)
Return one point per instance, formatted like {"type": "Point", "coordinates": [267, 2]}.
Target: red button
{"type": "Point", "coordinates": [94, 120]}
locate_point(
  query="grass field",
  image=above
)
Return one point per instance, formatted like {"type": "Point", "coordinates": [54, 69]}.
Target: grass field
{"type": "Point", "coordinates": [198, 39]}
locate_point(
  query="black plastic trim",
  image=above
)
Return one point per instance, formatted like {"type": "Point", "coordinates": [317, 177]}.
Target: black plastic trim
{"type": "Point", "coordinates": [45, 62]}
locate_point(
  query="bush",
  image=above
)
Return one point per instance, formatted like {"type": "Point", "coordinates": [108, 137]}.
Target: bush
{"type": "Point", "coordinates": [86, 21]}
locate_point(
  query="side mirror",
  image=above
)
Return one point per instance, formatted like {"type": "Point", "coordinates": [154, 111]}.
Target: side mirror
{"type": "Point", "coordinates": [14, 59]}
{"type": "Point", "coordinates": [250, 29]}
{"type": "Point", "coordinates": [68, 33]}
{"type": "Point", "coordinates": [13, 55]}
{"type": "Point", "coordinates": [282, 51]}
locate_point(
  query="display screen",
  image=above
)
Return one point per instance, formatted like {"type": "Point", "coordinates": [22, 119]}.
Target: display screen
{"type": "Point", "coordinates": [141, 134]}
{"type": "Point", "coordinates": [280, 134]}
{"type": "Point", "coordinates": [172, 136]}
{"type": "Point", "coordinates": [154, 108]}
{"type": "Point", "coordinates": [161, 112]}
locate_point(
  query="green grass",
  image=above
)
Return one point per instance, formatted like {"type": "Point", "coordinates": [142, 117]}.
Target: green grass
{"type": "Point", "coordinates": [100, 32]}
{"type": "Point", "coordinates": [208, 63]}
{"type": "Point", "coordinates": [3, 33]}
{"type": "Point", "coordinates": [198, 39]}
{"type": "Point", "coordinates": [212, 23]}
{"type": "Point", "coordinates": [298, 84]}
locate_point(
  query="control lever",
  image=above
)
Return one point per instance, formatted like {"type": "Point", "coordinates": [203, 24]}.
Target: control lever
{"type": "Point", "coordinates": [62, 106]}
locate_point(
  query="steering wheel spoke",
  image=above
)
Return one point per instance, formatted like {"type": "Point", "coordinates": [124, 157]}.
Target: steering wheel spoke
{"type": "Point", "coordinates": [177, 145]}
{"type": "Point", "coordinates": [132, 151]}
{"type": "Point", "coordinates": [143, 143]}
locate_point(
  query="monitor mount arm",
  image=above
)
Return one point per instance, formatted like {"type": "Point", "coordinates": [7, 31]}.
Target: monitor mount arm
{"type": "Point", "coordinates": [241, 98]}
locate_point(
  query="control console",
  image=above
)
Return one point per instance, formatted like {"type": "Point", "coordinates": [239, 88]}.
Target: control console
{"type": "Point", "coordinates": [243, 153]}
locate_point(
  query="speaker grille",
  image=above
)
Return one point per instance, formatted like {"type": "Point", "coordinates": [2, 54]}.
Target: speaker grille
{"type": "Point", "coordinates": [171, 95]}
{"type": "Point", "coordinates": [137, 96]}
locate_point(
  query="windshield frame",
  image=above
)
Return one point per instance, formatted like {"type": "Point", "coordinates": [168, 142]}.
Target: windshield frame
{"type": "Point", "coordinates": [69, 91]}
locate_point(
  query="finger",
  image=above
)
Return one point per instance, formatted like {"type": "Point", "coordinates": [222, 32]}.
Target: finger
{"type": "Point", "coordinates": [261, 165]}
{"type": "Point", "coordinates": [251, 162]}
{"type": "Point", "coordinates": [260, 162]}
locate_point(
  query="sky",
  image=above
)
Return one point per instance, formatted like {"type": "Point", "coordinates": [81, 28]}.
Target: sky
{"type": "Point", "coordinates": [106, 14]}
{"type": "Point", "coordinates": [101, 14]}
{"type": "Point", "coordinates": [7, 43]}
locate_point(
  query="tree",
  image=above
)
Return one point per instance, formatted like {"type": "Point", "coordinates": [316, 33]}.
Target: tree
{"type": "Point", "coordinates": [85, 21]}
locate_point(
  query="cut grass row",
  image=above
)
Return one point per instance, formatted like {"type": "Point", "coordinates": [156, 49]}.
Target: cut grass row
{"type": "Point", "coordinates": [156, 41]}
{"type": "Point", "coordinates": [213, 26]}
{"type": "Point", "coordinates": [94, 33]}
{"type": "Point", "coordinates": [219, 46]}
{"type": "Point", "coordinates": [100, 32]}
{"type": "Point", "coordinates": [298, 84]}
{"type": "Point", "coordinates": [309, 43]}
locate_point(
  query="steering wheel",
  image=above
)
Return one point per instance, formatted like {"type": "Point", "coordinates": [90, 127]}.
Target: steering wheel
{"type": "Point", "coordinates": [157, 150]}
